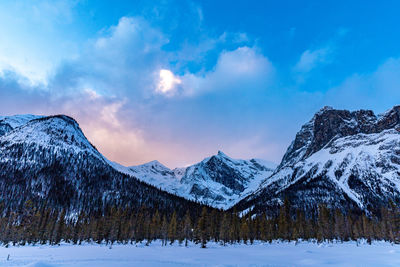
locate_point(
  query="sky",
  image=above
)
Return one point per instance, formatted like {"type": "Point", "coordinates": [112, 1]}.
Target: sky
{"type": "Point", "coordinates": [177, 81]}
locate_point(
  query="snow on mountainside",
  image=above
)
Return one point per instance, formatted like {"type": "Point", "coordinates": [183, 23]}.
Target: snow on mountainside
{"type": "Point", "coordinates": [156, 174]}
{"type": "Point", "coordinates": [59, 132]}
{"type": "Point", "coordinates": [8, 123]}
{"type": "Point", "coordinates": [219, 180]}
{"type": "Point", "coordinates": [31, 145]}
{"type": "Point", "coordinates": [49, 160]}
{"type": "Point", "coordinates": [341, 158]}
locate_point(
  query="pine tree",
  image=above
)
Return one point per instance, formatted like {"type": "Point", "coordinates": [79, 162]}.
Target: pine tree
{"type": "Point", "coordinates": [284, 221]}
{"type": "Point", "coordinates": [164, 230]}
{"type": "Point", "coordinates": [187, 228]}
{"type": "Point", "coordinates": [202, 227]}
{"type": "Point", "coordinates": [224, 228]}
{"type": "Point", "coordinates": [244, 231]}
{"type": "Point", "coordinates": [339, 226]}
{"type": "Point", "coordinates": [172, 228]}
{"type": "Point", "coordinates": [59, 230]}
{"type": "Point", "coordinates": [324, 223]}
{"type": "Point", "coordinates": [366, 225]}
{"type": "Point", "coordinates": [155, 226]}
{"type": "Point", "coordinates": [235, 227]}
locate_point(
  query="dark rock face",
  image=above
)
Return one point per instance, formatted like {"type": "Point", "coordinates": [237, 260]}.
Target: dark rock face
{"type": "Point", "coordinates": [222, 173]}
{"type": "Point", "coordinates": [344, 159]}
{"type": "Point", "coordinates": [221, 181]}
{"type": "Point", "coordinates": [390, 119]}
{"type": "Point", "coordinates": [329, 123]}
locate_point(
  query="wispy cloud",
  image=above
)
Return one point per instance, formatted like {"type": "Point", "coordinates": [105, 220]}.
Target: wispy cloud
{"type": "Point", "coordinates": [310, 59]}
{"type": "Point", "coordinates": [31, 41]}
{"type": "Point", "coordinates": [379, 89]}
{"type": "Point", "coordinates": [318, 56]}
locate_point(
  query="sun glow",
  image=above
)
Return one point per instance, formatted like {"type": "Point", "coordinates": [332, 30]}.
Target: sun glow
{"type": "Point", "coordinates": [167, 81]}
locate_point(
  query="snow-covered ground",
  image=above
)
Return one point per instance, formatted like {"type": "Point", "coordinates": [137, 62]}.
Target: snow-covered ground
{"type": "Point", "coordinates": [259, 254]}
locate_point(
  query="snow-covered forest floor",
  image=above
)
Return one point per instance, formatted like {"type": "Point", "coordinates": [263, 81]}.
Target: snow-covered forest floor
{"type": "Point", "coordinates": [258, 254]}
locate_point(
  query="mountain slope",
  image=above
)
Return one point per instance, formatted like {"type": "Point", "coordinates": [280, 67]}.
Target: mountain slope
{"type": "Point", "coordinates": [347, 160]}
{"type": "Point", "coordinates": [49, 160]}
{"type": "Point", "coordinates": [219, 180]}
{"type": "Point", "coordinates": [8, 123]}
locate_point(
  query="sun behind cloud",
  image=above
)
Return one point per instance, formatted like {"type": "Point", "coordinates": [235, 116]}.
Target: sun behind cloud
{"type": "Point", "coordinates": [167, 81]}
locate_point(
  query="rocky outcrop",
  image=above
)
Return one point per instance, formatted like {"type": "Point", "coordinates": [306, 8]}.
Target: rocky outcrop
{"type": "Point", "coordinates": [344, 159]}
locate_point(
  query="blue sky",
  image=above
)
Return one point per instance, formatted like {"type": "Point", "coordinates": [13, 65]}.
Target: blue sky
{"type": "Point", "coordinates": [178, 80]}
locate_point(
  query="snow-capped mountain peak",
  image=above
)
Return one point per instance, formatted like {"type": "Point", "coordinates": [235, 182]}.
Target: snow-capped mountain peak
{"type": "Point", "coordinates": [154, 165]}
{"type": "Point", "coordinates": [344, 159]}
{"type": "Point", "coordinates": [9, 123]}
{"type": "Point", "coordinates": [49, 160]}
{"type": "Point", "coordinates": [218, 180]}
{"type": "Point", "coordinates": [60, 132]}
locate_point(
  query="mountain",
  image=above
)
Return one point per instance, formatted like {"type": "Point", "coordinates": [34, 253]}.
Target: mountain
{"type": "Point", "coordinates": [8, 123]}
{"type": "Point", "coordinates": [347, 160]}
{"type": "Point", "coordinates": [218, 181]}
{"type": "Point", "coordinates": [49, 161]}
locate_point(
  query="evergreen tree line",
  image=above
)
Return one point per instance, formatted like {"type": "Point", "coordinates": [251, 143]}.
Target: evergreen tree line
{"type": "Point", "coordinates": [46, 226]}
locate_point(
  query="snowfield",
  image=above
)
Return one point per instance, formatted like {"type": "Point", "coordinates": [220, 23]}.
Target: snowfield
{"type": "Point", "coordinates": [259, 254]}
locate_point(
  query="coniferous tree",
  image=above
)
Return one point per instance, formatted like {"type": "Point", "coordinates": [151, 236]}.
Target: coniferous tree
{"type": "Point", "coordinates": [224, 228]}
{"type": "Point", "coordinates": [202, 227]}
{"type": "Point", "coordinates": [172, 228]}
{"type": "Point", "coordinates": [187, 228]}
{"type": "Point", "coordinates": [244, 231]}
{"type": "Point", "coordinates": [164, 230]}
{"type": "Point", "coordinates": [284, 221]}
{"type": "Point", "coordinates": [60, 228]}
{"type": "Point", "coordinates": [155, 226]}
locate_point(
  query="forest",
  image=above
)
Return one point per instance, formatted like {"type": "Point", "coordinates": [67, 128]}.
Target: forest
{"type": "Point", "coordinates": [43, 225]}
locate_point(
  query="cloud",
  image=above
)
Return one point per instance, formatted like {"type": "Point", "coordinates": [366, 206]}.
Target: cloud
{"type": "Point", "coordinates": [378, 90]}
{"type": "Point", "coordinates": [244, 68]}
{"type": "Point", "coordinates": [317, 57]}
{"type": "Point", "coordinates": [116, 90]}
{"type": "Point", "coordinates": [36, 38]}
{"type": "Point", "coordinates": [139, 99]}
{"type": "Point", "coordinates": [167, 82]}
{"type": "Point", "coordinates": [121, 62]}
{"type": "Point", "coordinates": [310, 59]}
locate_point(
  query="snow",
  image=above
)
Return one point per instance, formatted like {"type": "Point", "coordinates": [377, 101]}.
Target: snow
{"type": "Point", "coordinates": [360, 153]}
{"type": "Point", "coordinates": [269, 164]}
{"type": "Point", "coordinates": [59, 132]}
{"type": "Point", "coordinates": [62, 135]}
{"type": "Point", "coordinates": [18, 120]}
{"type": "Point", "coordinates": [180, 181]}
{"type": "Point", "coordinates": [258, 254]}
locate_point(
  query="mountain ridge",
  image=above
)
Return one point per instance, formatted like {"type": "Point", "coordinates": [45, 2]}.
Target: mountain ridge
{"type": "Point", "coordinates": [347, 160]}
{"type": "Point", "coordinates": [344, 159]}
{"type": "Point", "coordinates": [208, 181]}
{"type": "Point", "coordinates": [50, 162]}
{"type": "Point", "coordinates": [60, 136]}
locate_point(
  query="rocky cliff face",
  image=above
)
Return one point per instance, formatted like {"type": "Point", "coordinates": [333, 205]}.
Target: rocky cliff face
{"type": "Point", "coordinates": [329, 123]}
{"type": "Point", "coordinates": [223, 181]}
{"type": "Point", "coordinates": [341, 158]}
